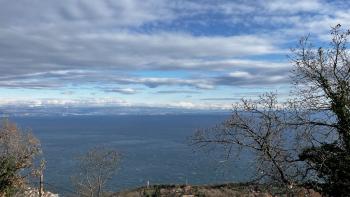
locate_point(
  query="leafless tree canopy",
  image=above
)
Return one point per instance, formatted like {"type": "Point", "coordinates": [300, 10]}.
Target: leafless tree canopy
{"type": "Point", "coordinates": [259, 127]}
{"type": "Point", "coordinates": [322, 78]}
{"type": "Point", "coordinates": [95, 168]}
{"type": "Point", "coordinates": [305, 140]}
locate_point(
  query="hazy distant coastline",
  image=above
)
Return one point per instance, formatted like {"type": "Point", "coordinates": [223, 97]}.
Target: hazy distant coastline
{"type": "Point", "coordinates": [15, 111]}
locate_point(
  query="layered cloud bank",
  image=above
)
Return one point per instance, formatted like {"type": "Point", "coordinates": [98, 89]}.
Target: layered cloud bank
{"type": "Point", "coordinates": [153, 52]}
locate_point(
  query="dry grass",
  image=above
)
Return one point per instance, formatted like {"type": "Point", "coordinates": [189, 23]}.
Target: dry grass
{"type": "Point", "coordinates": [227, 190]}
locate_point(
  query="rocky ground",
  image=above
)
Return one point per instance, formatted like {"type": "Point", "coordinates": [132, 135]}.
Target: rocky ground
{"type": "Point", "coordinates": [30, 192]}
{"type": "Point", "coordinates": [226, 190]}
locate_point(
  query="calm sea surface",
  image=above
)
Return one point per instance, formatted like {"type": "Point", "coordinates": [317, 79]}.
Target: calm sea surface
{"type": "Point", "coordinates": [153, 147]}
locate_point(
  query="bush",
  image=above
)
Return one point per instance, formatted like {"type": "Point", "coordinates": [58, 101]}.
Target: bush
{"type": "Point", "coordinates": [18, 150]}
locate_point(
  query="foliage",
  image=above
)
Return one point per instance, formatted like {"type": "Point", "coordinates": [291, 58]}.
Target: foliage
{"type": "Point", "coordinates": [332, 166]}
{"type": "Point", "coordinates": [325, 78]}
{"type": "Point", "coordinates": [7, 174]}
{"type": "Point", "coordinates": [18, 150]}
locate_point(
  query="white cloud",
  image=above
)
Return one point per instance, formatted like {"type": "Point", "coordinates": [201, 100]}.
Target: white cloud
{"type": "Point", "coordinates": [107, 102]}
{"type": "Point", "coordinates": [37, 102]}
{"type": "Point", "coordinates": [154, 82]}
{"type": "Point", "coordinates": [199, 105]}
{"type": "Point", "coordinates": [240, 74]}
{"type": "Point", "coordinates": [123, 90]}
{"type": "Point", "coordinates": [294, 6]}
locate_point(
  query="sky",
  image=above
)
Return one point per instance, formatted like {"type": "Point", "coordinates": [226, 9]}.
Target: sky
{"type": "Point", "coordinates": [193, 54]}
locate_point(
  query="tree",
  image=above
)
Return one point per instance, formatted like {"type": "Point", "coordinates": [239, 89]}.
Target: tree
{"type": "Point", "coordinates": [95, 168]}
{"type": "Point", "coordinates": [322, 78]}
{"type": "Point", "coordinates": [306, 140]}
{"type": "Point", "coordinates": [18, 150]}
{"type": "Point", "coordinates": [258, 127]}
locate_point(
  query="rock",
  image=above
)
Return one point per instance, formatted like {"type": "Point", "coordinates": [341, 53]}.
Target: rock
{"type": "Point", "coordinates": [33, 192]}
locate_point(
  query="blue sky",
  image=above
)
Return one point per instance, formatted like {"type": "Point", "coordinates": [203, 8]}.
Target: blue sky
{"type": "Point", "coordinates": [158, 53]}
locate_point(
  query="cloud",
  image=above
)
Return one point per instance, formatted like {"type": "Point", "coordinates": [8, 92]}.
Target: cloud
{"type": "Point", "coordinates": [207, 106]}
{"type": "Point", "coordinates": [121, 12]}
{"type": "Point", "coordinates": [243, 79]}
{"type": "Point", "coordinates": [240, 74]}
{"type": "Point", "coordinates": [65, 102]}
{"type": "Point", "coordinates": [177, 92]}
{"type": "Point", "coordinates": [29, 85]}
{"type": "Point", "coordinates": [219, 99]}
{"type": "Point", "coordinates": [243, 73]}
{"type": "Point", "coordinates": [67, 92]}
{"type": "Point", "coordinates": [30, 52]}
{"type": "Point", "coordinates": [87, 35]}
{"type": "Point", "coordinates": [122, 90]}
{"type": "Point", "coordinates": [153, 82]}
{"type": "Point", "coordinates": [207, 44]}
{"type": "Point", "coordinates": [295, 6]}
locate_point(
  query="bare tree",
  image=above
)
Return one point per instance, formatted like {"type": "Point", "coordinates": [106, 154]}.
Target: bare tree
{"type": "Point", "coordinates": [306, 140]}
{"type": "Point", "coordinates": [18, 150]}
{"type": "Point", "coordinates": [322, 81]}
{"type": "Point", "coordinates": [258, 126]}
{"type": "Point", "coordinates": [95, 168]}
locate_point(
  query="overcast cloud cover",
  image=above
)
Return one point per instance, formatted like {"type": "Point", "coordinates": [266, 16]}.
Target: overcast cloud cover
{"type": "Point", "coordinates": [175, 53]}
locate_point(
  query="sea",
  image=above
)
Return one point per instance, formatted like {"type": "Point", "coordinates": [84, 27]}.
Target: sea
{"type": "Point", "coordinates": [153, 148]}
